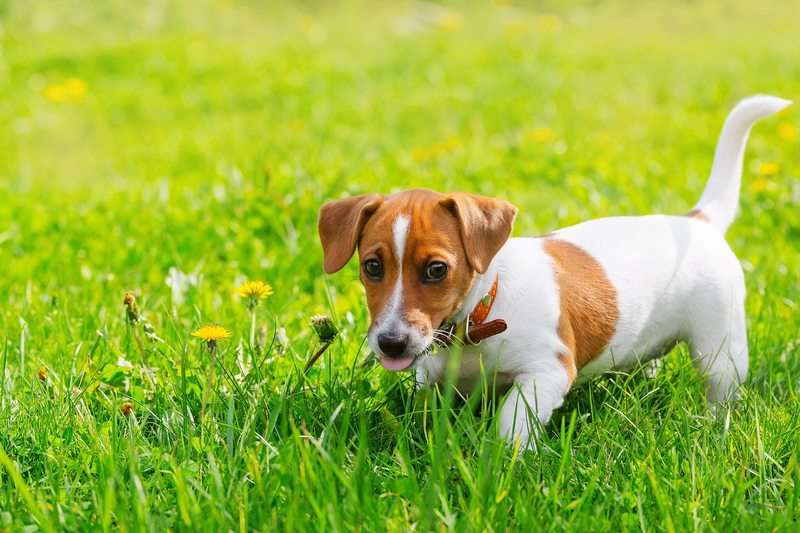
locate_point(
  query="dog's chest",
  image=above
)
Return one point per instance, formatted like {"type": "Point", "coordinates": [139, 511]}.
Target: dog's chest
{"type": "Point", "coordinates": [469, 364]}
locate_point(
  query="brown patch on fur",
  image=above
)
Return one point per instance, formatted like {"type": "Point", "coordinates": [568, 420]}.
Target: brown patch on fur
{"type": "Point", "coordinates": [589, 311]}
{"type": "Point", "coordinates": [569, 364]}
{"type": "Point", "coordinates": [697, 214]}
{"type": "Point", "coordinates": [340, 224]}
{"type": "Point", "coordinates": [484, 223]}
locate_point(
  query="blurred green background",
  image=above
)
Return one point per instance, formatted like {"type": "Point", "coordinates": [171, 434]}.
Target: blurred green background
{"type": "Point", "coordinates": [218, 127]}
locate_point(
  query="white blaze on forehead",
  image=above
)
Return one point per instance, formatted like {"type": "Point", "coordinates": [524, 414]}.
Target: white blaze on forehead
{"type": "Point", "coordinates": [399, 235]}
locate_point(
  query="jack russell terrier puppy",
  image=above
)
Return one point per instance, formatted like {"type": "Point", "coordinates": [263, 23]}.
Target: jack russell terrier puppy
{"type": "Point", "coordinates": [542, 313]}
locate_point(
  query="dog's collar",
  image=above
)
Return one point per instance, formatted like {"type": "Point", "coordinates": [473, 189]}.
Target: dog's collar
{"type": "Point", "coordinates": [474, 328]}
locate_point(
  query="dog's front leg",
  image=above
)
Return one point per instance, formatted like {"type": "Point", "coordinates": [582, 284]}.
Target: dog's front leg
{"type": "Point", "coordinates": [530, 403]}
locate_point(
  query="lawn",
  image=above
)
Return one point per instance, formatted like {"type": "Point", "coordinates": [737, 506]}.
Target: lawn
{"type": "Point", "coordinates": [174, 150]}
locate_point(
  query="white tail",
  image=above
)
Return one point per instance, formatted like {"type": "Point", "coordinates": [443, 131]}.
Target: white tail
{"type": "Point", "coordinates": [721, 196]}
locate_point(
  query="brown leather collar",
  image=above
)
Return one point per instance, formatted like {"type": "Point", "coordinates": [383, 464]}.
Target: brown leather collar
{"type": "Point", "coordinates": [475, 328]}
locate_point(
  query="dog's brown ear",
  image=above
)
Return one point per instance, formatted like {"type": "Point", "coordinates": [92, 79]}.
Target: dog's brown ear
{"type": "Point", "coordinates": [340, 225]}
{"type": "Point", "coordinates": [484, 223]}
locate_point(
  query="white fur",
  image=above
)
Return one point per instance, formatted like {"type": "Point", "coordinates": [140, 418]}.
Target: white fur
{"type": "Point", "coordinates": [399, 235]}
{"type": "Point", "coordinates": [676, 279]}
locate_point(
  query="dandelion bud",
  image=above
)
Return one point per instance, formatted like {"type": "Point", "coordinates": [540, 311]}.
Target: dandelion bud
{"type": "Point", "coordinates": [131, 310]}
{"type": "Point", "coordinates": [324, 328]}
{"type": "Point", "coordinates": [326, 331]}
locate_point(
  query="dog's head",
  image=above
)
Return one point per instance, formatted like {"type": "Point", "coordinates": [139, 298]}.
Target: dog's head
{"type": "Point", "coordinates": [419, 252]}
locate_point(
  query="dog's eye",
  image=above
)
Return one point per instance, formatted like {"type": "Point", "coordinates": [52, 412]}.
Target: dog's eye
{"type": "Point", "coordinates": [373, 269]}
{"type": "Point", "coordinates": [435, 271]}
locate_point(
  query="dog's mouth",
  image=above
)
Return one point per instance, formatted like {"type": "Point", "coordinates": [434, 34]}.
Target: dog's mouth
{"type": "Point", "coordinates": [404, 362]}
{"type": "Point", "coordinates": [397, 364]}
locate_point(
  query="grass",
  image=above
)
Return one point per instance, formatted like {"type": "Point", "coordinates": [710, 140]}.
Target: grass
{"type": "Point", "coordinates": [196, 140]}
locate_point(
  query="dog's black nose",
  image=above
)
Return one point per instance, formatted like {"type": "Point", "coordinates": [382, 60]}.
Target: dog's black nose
{"type": "Point", "coordinates": [392, 345]}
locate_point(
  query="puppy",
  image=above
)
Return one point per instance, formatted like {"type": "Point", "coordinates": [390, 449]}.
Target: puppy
{"type": "Point", "coordinates": [542, 313]}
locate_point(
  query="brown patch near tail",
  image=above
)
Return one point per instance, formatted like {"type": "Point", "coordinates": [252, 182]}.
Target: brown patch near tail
{"type": "Point", "coordinates": [697, 214]}
{"type": "Point", "coordinates": [589, 311]}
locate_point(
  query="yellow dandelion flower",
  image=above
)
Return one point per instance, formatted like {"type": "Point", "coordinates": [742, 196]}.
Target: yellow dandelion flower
{"type": "Point", "coordinates": [448, 146]}
{"type": "Point", "coordinates": [70, 90]}
{"type": "Point", "coordinates": [451, 144]}
{"type": "Point", "coordinates": [309, 25]}
{"type": "Point", "coordinates": [548, 23]}
{"type": "Point", "coordinates": [42, 374]}
{"type": "Point", "coordinates": [75, 87]}
{"type": "Point", "coordinates": [313, 30]}
{"type": "Point", "coordinates": [787, 131]}
{"type": "Point", "coordinates": [540, 135]}
{"type": "Point", "coordinates": [254, 292]}
{"type": "Point", "coordinates": [254, 289]}
{"type": "Point", "coordinates": [421, 154]}
{"type": "Point", "coordinates": [126, 408]}
{"type": "Point", "coordinates": [212, 333]}
{"type": "Point", "coordinates": [768, 169]}
{"type": "Point", "coordinates": [55, 93]}
{"type": "Point", "coordinates": [450, 20]}
{"type": "Point", "coordinates": [759, 185]}
{"type": "Point", "coordinates": [296, 126]}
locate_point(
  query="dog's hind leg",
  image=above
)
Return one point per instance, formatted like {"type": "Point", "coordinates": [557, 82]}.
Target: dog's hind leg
{"type": "Point", "coordinates": [718, 345]}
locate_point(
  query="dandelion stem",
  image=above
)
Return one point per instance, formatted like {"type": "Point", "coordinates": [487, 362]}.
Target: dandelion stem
{"type": "Point", "coordinates": [253, 330]}
{"type": "Point", "coordinates": [313, 359]}
{"type": "Point", "coordinates": [211, 346]}
{"type": "Point", "coordinates": [227, 374]}
{"type": "Point", "coordinates": [139, 344]}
